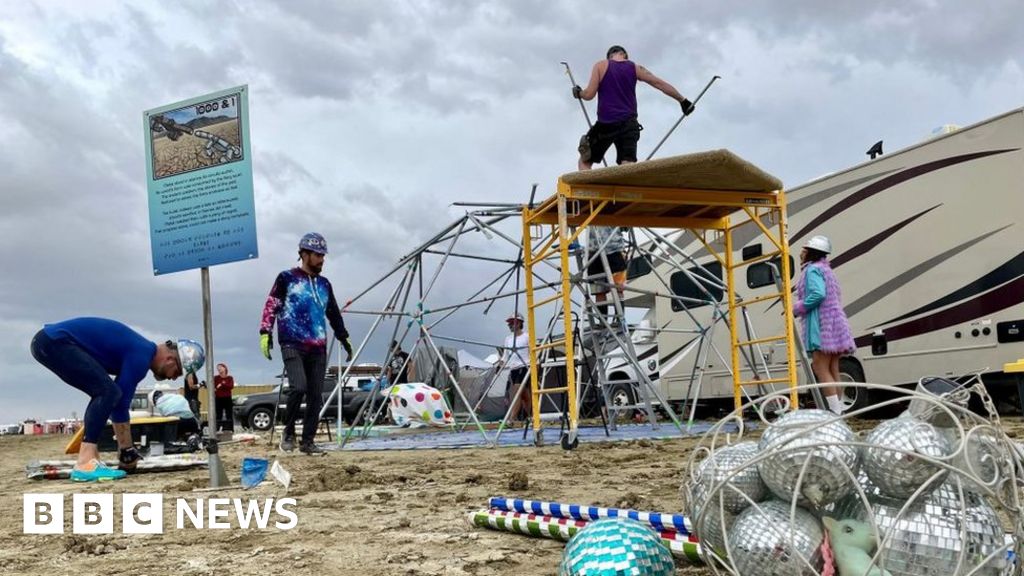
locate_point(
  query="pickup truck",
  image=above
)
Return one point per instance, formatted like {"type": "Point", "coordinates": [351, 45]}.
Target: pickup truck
{"type": "Point", "coordinates": [256, 411]}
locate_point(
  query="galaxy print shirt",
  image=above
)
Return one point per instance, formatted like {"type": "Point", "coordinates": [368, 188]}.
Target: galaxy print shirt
{"type": "Point", "coordinates": [302, 305]}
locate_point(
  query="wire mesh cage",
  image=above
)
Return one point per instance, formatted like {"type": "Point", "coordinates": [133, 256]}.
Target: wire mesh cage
{"type": "Point", "coordinates": [933, 491]}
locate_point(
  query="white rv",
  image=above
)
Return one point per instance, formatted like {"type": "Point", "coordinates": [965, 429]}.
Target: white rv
{"type": "Point", "coordinates": [929, 252]}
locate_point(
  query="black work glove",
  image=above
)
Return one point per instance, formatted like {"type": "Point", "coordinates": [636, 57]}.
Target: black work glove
{"type": "Point", "coordinates": [348, 348]}
{"type": "Point", "coordinates": [577, 92]}
{"type": "Point", "coordinates": [128, 458]}
{"type": "Point", "coordinates": [687, 106]}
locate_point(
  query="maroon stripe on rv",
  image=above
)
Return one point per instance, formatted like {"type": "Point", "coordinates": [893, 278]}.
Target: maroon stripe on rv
{"type": "Point", "coordinates": [865, 246]}
{"type": "Point", "coordinates": [1009, 294]}
{"type": "Point", "coordinates": [888, 182]}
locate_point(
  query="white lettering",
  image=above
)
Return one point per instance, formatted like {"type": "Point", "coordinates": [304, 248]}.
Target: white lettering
{"type": "Point", "coordinates": [245, 515]}
{"type": "Point", "coordinates": [218, 508]}
{"type": "Point", "coordinates": [196, 516]}
{"type": "Point", "coordinates": [282, 508]}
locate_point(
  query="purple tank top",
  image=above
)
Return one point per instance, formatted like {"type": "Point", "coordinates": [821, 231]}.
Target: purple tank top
{"type": "Point", "coordinates": [616, 94]}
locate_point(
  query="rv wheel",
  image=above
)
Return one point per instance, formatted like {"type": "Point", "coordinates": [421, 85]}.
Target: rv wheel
{"type": "Point", "coordinates": [621, 394]}
{"type": "Point", "coordinates": [854, 398]}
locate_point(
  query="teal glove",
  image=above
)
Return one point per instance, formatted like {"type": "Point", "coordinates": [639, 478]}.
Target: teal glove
{"type": "Point", "coordinates": [266, 343]}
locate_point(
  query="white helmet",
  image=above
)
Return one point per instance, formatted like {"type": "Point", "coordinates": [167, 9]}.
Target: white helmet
{"type": "Point", "coordinates": [819, 243]}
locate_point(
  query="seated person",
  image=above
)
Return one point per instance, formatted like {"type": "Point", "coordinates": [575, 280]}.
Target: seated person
{"type": "Point", "coordinates": [170, 404]}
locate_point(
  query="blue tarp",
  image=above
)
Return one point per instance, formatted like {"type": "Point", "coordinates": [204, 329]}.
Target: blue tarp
{"type": "Point", "coordinates": [471, 438]}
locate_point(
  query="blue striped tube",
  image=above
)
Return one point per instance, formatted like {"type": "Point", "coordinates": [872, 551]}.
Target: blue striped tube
{"type": "Point", "coordinates": [657, 520]}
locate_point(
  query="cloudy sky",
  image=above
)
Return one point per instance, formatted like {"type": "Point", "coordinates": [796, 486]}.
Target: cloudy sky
{"type": "Point", "coordinates": [370, 118]}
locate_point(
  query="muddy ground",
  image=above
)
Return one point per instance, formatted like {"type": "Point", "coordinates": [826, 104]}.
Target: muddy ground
{"type": "Point", "coordinates": [366, 513]}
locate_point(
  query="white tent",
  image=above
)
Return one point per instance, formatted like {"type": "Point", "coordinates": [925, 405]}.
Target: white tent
{"type": "Point", "coordinates": [467, 360]}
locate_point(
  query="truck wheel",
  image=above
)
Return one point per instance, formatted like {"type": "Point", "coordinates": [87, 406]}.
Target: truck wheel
{"type": "Point", "coordinates": [261, 419]}
{"type": "Point", "coordinates": [854, 398]}
{"type": "Point", "coordinates": [621, 394]}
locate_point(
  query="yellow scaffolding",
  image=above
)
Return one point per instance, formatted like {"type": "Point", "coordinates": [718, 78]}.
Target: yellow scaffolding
{"type": "Point", "coordinates": [710, 192]}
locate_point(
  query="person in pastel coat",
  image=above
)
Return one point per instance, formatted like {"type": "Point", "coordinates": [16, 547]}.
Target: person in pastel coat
{"type": "Point", "coordinates": [826, 331]}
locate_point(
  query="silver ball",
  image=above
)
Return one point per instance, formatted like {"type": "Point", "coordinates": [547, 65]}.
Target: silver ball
{"type": "Point", "coordinates": [819, 439]}
{"type": "Point", "coordinates": [719, 466]}
{"type": "Point", "coordinates": [708, 526]}
{"type": "Point", "coordinates": [893, 462]}
{"type": "Point", "coordinates": [976, 456]}
{"type": "Point", "coordinates": [928, 538]}
{"type": "Point", "coordinates": [764, 542]}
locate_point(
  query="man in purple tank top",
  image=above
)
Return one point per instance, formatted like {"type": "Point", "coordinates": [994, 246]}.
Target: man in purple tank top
{"type": "Point", "coordinates": [613, 81]}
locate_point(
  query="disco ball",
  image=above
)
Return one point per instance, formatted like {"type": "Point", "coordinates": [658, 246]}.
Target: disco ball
{"type": "Point", "coordinates": [765, 541]}
{"type": "Point", "coordinates": [970, 521]}
{"type": "Point", "coordinates": [712, 527]}
{"type": "Point", "coordinates": [614, 547]}
{"type": "Point", "coordinates": [893, 460]}
{"type": "Point", "coordinates": [744, 480]}
{"type": "Point", "coordinates": [816, 444]}
{"type": "Point", "coordinates": [936, 533]}
{"type": "Point", "coordinates": [976, 456]}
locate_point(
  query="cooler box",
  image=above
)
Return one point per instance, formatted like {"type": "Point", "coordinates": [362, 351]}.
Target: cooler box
{"type": "Point", "coordinates": [145, 431]}
{"type": "Point", "coordinates": [154, 428]}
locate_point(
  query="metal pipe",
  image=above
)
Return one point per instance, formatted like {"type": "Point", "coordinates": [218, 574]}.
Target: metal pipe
{"type": "Point", "coordinates": [405, 260]}
{"type": "Point", "coordinates": [674, 126]}
{"type": "Point", "coordinates": [580, 100]}
{"type": "Point", "coordinates": [455, 384]}
{"type": "Point", "coordinates": [486, 258]}
{"type": "Point", "coordinates": [218, 477]}
{"type": "Point", "coordinates": [490, 204]}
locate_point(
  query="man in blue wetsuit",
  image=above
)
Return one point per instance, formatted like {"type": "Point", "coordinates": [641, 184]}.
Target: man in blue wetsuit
{"type": "Point", "coordinates": [613, 81]}
{"type": "Point", "coordinates": [300, 301]}
{"type": "Point", "coordinates": [85, 352]}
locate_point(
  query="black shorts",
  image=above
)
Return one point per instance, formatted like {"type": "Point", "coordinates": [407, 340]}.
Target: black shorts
{"type": "Point", "coordinates": [624, 135]}
{"type": "Point", "coordinates": [616, 262]}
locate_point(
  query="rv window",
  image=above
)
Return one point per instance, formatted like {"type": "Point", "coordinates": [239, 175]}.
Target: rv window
{"type": "Point", "coordinates": [683, 286]}
{"type": "Point", "coordinates": [637, 267]}
{"type": "Point", "coordinates": [752, 251]}
{"type": "Point", "coordinates": [760, 274]}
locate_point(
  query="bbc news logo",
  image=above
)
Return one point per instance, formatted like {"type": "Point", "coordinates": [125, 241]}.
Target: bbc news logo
{"type": "Point", "coordinates": [144, 513]}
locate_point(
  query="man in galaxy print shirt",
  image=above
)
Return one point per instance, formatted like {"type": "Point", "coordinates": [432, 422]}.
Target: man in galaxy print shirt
{"type": "Point", "coordinates": [302, 302]}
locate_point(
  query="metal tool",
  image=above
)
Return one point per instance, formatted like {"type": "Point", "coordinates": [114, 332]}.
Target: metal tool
{"type": "Point", "coordinates": [674, 126]}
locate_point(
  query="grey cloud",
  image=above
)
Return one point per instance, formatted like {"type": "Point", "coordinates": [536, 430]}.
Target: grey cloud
{"type": "Point", "coordinates": [370, 118]}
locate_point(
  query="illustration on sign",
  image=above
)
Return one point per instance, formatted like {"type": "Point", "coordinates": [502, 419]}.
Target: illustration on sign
{"type": "Point", "coordinates": [212, 135]}
{"type": "Point", "coordinates": [199, 178]}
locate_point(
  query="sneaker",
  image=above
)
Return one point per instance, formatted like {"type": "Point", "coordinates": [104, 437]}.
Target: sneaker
{"type": "Point", "coordinates": [100, 473]}
{"type": "Point", "coordinates": [287, 443]}
{"type": "Point", "coordinates": [311, 449]}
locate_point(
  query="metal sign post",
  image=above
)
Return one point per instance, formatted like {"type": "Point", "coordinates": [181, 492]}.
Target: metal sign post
{"type": "Point", "coordinates": [218, 477]}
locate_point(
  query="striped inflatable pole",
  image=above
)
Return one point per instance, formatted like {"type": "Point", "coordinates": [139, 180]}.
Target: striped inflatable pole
{"type": "Point", "coordinates": [659, 521]}
{"type": "Point", "coordinates": [542, 526]}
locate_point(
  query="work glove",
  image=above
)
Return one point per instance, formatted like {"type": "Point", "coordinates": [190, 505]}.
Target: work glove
{"type": "Point", "coordinates": [348, 348]}
{"type": "Point", "coordinates": [266, 343]}
{"type": "Point", "coordinates": [577, 92]}
{"type": "Point", "coordinates": [128, 458]}
{"type": "Point", "coordinates": [687, 106]}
